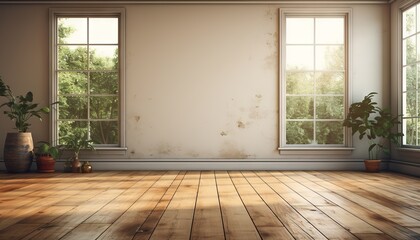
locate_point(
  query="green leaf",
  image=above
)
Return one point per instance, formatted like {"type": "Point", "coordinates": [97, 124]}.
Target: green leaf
{"type": "Point", "coordinates": [372, 146]}
{"type": "Point", "coordinates": [29, 97]}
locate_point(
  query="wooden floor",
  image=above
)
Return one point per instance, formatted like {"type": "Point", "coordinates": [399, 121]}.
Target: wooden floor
{"type": "Point", "coordinates": [209, 205]}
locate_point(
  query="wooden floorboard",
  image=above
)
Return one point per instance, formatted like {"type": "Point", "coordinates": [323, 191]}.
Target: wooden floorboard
{"type": "Point", "coordinates": [209, 205]}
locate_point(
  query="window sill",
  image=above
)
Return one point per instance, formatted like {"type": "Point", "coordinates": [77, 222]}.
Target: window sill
{"type": "Point", "coordinates": [99, 151]}
{"type": "Point", "coordinates": [315, 151]}
{"type": "Point", "coordinates": [403, 149]}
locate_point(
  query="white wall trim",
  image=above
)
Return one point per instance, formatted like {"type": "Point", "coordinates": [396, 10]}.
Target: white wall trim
{"type": "Point", "coordinates": [303, 2]}
{"type": "Point", "coordinates": [405, 167]}
{"type": "Point", "coordinates": [225, 164]}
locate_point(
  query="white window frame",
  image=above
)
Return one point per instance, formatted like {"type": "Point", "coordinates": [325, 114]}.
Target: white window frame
{"type": "Point", "coordinates": [55, 13]}
{"type": "Point", "coordinates": [283, 148]}
{"type": "Point", "coordinates": [405, 5]}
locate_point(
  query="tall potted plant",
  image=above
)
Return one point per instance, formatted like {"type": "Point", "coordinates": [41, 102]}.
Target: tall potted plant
{"type": "Point", "coordinates": [18, 147]}
{"type": "Point", "coordinates": [375, 124]}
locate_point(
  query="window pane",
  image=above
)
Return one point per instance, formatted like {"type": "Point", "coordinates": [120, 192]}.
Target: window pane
{"type": "Point", "coordinates": [104, 83]}
{"type": "Point", "coordinates": [315, 69]}
{"type": "Point", "coordinates": [410, 131]}
{"type": "Point", "coordinates": [73, 107]}
{"type": "Point", "coordinates": [329, 107]}
{"type": "Point", "coordinates": [410, 104]}
{"type": "Point", "coordinates": [417, 129]}
{"type": "Point", "coordinates": [409, 50]}
{"type": "Point", "coordinates": [299, 30]}
{"type": "Point", "coordinates": [418, 19]}
{"type": "Point", "coordinates": [103, 30]}
{"type": "Point", "coordinates": [104, 132]}
{"type": "Point", "coordinates": [329, 31]}
{"type": "Point", "coordinates": [413, 86]}
{"type": "Point", "coordinates": [103, 57]}
{"type": "Point", "coordinates": [72, 58]}
{"type": "Point", "coordinates": [330, 83]}
{"type": "Point", "coordinates": [329, 58]}
{"type": "Point", "coordinates": [72, 30]}
{"type": "Point", "coordinates": [87, 75]}
{"type": "Point", "coordinates": [409, 78]}
{"type": "Point", "coordinates": [409, 21]}
{"type": "Point", "coordinates": [299, 107]}
{"type": "Point", "coordinates": [329, 133]}
{"type": "Point", "coordinates": [417, 48]}
{"type": "Point", "coordinates": [299, 132]}
{"type": "Point", "coordinates": [299, 83]}
{"type": "Point", "coordinates": [104, 107]}
{"type": "Point", "coordinates": [72, 83]}
{"type": "Point", "coordinates": [299, 58]}
{"type": "Point", "coordinates": [67, 128]}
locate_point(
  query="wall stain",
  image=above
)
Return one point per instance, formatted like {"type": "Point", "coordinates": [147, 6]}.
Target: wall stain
{"type": "Point", "coordinates": [271, 13]}
{"type": "Point", "coordinates": [137, 118]}
{"type": "Point", "coordinates": [230, 151]}
{"type": "Point", "coordinates": [164, 149]}
{"type": "Point", "coordinates": [254, 111]}
{"type": "Point", "coordinates": [240, 124]}
{"type": "Point", "coordinates": [223, 133]}
{"type": "Point", "coordinates": [193, 154]}
{"type": "Point", "coordinates": [272, 43]}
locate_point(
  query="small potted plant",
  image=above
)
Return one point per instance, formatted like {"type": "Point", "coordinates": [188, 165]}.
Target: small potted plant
{"type": "Point", "coordinates": [46, 154]}
{"type": "Point", "coordinates": [18, 146]}
{"type": "Point", "coordinates": [376, 124]}
{"type": "Point", "coordinates": [76, 142]}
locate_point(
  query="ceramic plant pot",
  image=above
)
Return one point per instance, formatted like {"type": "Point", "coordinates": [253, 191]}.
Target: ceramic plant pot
{"type": "Point", "coordinates": [45, 164]}
{"type": "Point", "coordinates": [18, 152]}
{"type": "Point", "coordinates": [373, 165]}
{"type": "Point", "coordinates": [76, 166]}
{"type": "Point", "coordinates": [86, 167]}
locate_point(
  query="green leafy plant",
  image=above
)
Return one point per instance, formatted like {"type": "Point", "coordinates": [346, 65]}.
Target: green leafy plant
{"type": "Point", "coordinates": [77, 141]}
{"type": "Point", "coordinates": [374, 123]}
{"type": "Point", "coordinates": [20, 108]}
{"type": "Point", "coordinates": [46, 149]}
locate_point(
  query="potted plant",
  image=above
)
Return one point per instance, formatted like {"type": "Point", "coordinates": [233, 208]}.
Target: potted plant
{"type": "Point", "coordinates": [46, 154]}
{"type": "Point", "coordinates": [76, 142]}
{"type": "Point", "coordinates": [376, 124]}
{"type": "Point", "coordinates": [18, 147]}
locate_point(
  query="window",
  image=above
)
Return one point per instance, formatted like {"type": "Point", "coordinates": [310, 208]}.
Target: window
{"type": "Point", "coordinates": [411, 75]}
{"type": "Point", "coordinates": [313, 79]}
{"type": "Point", "coordinates": [87, 76]}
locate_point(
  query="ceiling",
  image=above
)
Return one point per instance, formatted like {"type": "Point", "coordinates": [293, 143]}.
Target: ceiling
{"type": "Point", "coordinates": [193, 1]}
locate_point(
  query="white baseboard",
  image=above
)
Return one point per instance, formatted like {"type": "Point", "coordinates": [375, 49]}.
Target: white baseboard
{"type": "Point", "coordinates": [405, 167]}
{"type": "Point", "coordinates": [222, 164]}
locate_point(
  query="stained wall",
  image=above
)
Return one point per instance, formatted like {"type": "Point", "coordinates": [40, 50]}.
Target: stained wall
{"type": "Point", "coordinates": [201, 80]}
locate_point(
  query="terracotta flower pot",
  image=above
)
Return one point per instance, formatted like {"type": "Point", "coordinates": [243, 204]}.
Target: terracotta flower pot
{"type": "Point", "coordinates": [373, 165]}
{"type": "Point", "coordinates": [45, 164]}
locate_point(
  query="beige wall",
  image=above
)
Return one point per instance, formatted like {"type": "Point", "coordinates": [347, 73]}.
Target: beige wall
{"type": "Point", "coordinates": [201, 80]}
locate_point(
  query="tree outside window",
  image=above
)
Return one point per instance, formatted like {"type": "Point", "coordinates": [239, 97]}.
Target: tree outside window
{"type": "Point", "coordinates": [87, 78]}
{"type": "Point", "coordinates": [314, 80]}
{"type": "Point", "coordinates": [411, 76]}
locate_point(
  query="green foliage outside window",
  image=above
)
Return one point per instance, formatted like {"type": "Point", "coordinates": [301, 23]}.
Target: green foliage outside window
{"type": "Point", "coordinates": [88, 88]}
{"type": "Point", "coordinates": [315, 80]}
{"type": "Point", "coordinates": [411, 76]}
